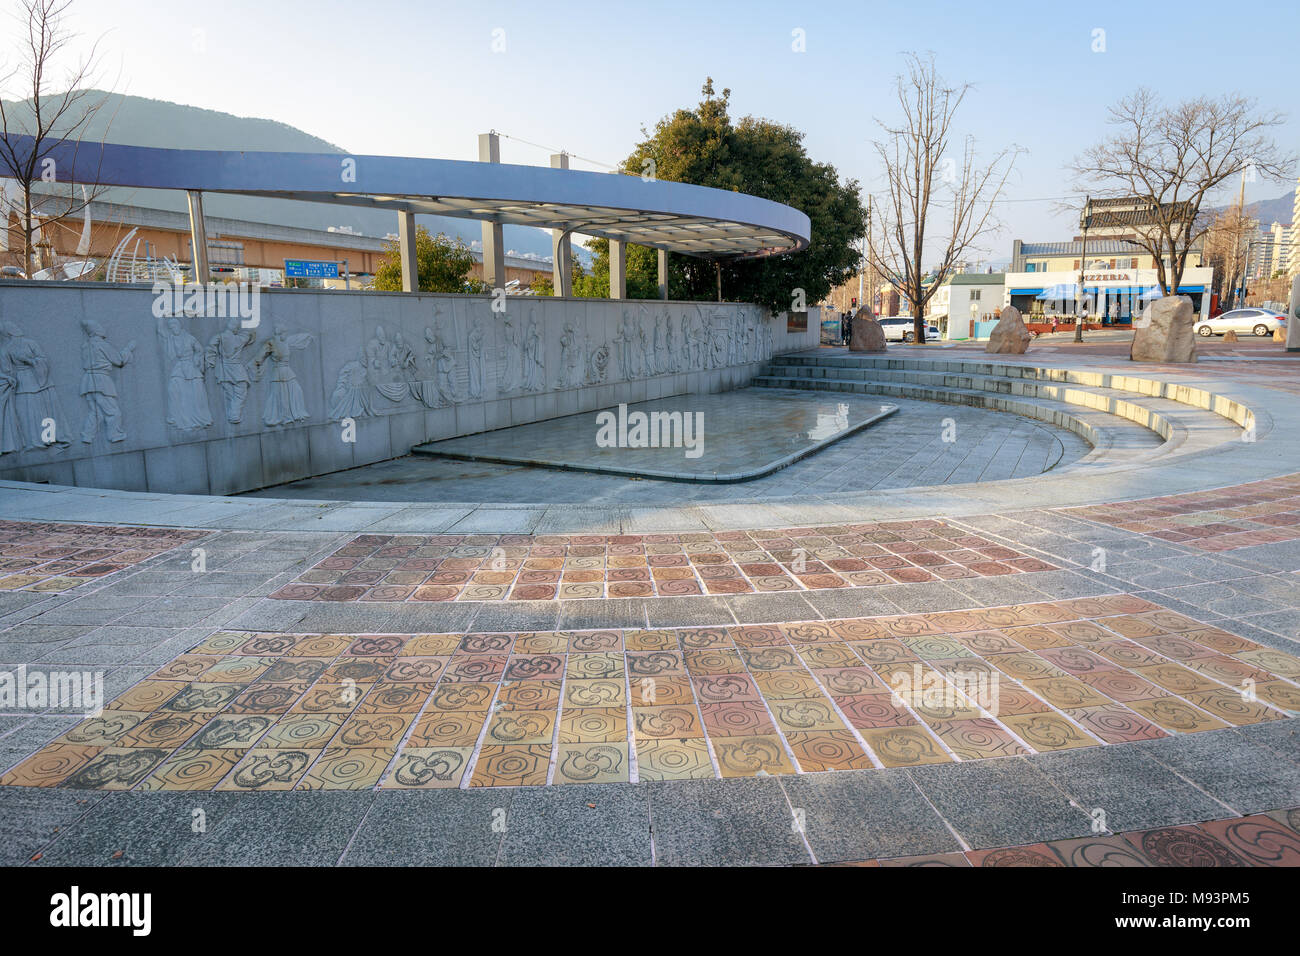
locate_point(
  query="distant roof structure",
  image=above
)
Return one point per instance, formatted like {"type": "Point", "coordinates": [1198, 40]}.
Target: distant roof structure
{"type": "Point", "coordinates": [677, 217]}
{"type": "Point", "coordinates": [1127, 212]}
{"type": "Point", "coordinates": [1096, 247]}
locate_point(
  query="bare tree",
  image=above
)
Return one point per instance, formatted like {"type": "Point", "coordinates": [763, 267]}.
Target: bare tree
{"type": "Point", "coordinates": [921, 173]}
{"type": "Point", "coordinates": [32, 129]}
{"type": "Point", "coordinates": [1171, 158]}
{"type": "Point", "coordinates": [1227, 247]}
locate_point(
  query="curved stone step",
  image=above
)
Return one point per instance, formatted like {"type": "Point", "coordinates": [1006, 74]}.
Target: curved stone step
{"type": "Point", "coordinates": [1126, 403]}
{"type": "Point", "coordinates": [1113, 439]}
{"type": "Point", "coordinates": [1188, 419]}
{"type": "Point", "coordinates": [1192, 396]}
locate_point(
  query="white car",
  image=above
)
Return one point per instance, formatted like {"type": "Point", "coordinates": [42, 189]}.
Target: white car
{"type": "Point", "coordinates": [902, 328]}
{"type": "Point", "coordinates": [1255, 321]}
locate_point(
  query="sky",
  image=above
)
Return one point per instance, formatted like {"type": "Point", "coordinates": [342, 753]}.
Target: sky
{"type": "Point", "coordinates": [402, 77]}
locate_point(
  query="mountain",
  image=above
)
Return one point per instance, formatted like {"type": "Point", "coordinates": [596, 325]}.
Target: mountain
{"type": "Point", "coordinates": [1266, 211]}
{"type": "Point", "coordinates": [139, 121]}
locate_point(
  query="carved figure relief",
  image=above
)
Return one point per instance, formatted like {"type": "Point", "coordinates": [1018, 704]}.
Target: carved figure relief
{"type": "Point", "coordinates": [443, 361]}
{"type": "Point", "coordinates": [623, 343]}
{"type": "Point", "coordinates": [284, 402]}
{"type": "Point", "coordinates": [27, 396]}
{"type": "Point", "coordinates": [598, 365]}
{"type": "Point", "coordinates": [571, 349]}
{"type": "Point", "coordinates": [512, 358]}
{"type": "Point", "coordinates": [187, 400]}
{"type": "Point", "coordinates": [224, 357]}
{"type": "Point", "coordinates": [99, 358]}
{"type": "Point", "coordinates": [474, 355]}
{"type": "Point", "coordinates": [351, 395]}
{"type": "Point", "coordinates": [534, 366]}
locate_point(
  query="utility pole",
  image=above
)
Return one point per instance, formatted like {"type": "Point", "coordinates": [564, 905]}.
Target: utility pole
{"type": "Point", "coordinates": [1241, 215]}
{"type": "Point", "coordinates": [871, 265]}
{"type": "Point", "coordinates": [1245, 267]}
{"type": "Point", "coordinates": [1079, 295]}
{"type": "Point", "coordinates": [866, 261]}
{"type": "Point", "coordinates": [862, 271]}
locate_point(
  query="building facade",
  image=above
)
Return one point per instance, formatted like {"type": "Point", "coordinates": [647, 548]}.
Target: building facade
{"type": "Point", "coordinates": [965, 298]}
{"type": "Point", "coordinates": [1040, 257]}
{"type": "Point", "coordinates": [1292, 267]}
{"type": "Point", "coordinates": [242, 249]}
{"type": "Point", "coordinates": [1113, 296]}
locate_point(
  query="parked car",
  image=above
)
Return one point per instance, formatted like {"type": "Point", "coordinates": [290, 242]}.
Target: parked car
{"type": "Point", "coordinates": [1257, 321]}
{"type": "Point", "coordinates": [902, 328]}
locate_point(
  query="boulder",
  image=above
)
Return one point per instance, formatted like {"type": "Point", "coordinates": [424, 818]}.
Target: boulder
{"type": "Point", "coordinates": [867, 335]}
{"type": "Point", "coordinates": [1230, 336]}
{"type": "Point", "coordinates": [1164, 333]}
{"type": "Point", "coordinates": [1010, 336]}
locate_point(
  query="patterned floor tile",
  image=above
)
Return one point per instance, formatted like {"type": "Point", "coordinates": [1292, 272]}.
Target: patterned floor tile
{"type": "Point", "coordinates": [428, 768]}
{"type": "Point", "coordinates": [512, 766]}
{"type": "Point", "coordinates": [750, 756]}
{"type": "Point", "coordinates": [1040, 854]}
{"type": "Point", "coordinates": [827, 750]}
{"type": "Point", "coordinates": [58, 557]}
{"type": "Point", "coordinates": [349, 768]}
{"type": "Point", "coordinates": [904, 746]}
{"type": "Point", "coordinates": [267, 769]}
{"type": "Point", "coordinates": [1259, 840]}
{"type": "Point", "coordinates": [267, 711]}
{"type": "Point", "coordinates": [193, 770]}
{"type": "Point", "coordinates": [1183, 846]}
{"type": "Point", "coordinates": [592, 763]}
{"type": "Point", "coordinates": [669, 759]}
{"type": "Point", "coordinates": [546, 567]}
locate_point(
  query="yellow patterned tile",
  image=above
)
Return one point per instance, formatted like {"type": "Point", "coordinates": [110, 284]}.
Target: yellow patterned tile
{"type": "Point", "coordinates": [354, 768]}
{"type": "Point", "coordinates": [428, 768]}
{"type": "Point", "coordinates": [193, 770]}
{"type": "Point", "coordinates": [591, 763]}
{"type": "Point", "coordinates": [673, 760]}
{"type": "Point", "coordinates": [1171, 713]}
{"type": "Point", "coordinates": [593, 725]}
{"type": "Point", "coordinates": [1045, 732]}
{"type": "Point", "coordinates": [514, 766]}
{"type": "Point", "coordinates": [904, 746]}
{"type": "Point", "coordinates": [750, 756]}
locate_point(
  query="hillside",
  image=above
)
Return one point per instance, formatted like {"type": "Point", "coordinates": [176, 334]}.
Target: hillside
{"type": "Point", "coordinates": [1266, 211]}
{"type": "Point", "coordinates": [139, 121]}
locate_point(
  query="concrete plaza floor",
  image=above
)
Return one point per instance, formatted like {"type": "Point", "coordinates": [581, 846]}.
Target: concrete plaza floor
{"type": "Point", "coordinates": [1095, 666]}
{"type": "Point", "coordinates": [907, 449]}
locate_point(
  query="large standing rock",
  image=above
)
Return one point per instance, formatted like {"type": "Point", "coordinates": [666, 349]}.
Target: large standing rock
{"type": "Point", "coordinates": [1164, 332]}
{"type": "Point", "coordinates": [867, 335]}
{"type": "Point", "coordinates": [1010, 336]}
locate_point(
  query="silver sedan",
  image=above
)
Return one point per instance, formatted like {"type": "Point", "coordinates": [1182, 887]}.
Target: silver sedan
{"type": "Point", "coordinates": [1259, 322]}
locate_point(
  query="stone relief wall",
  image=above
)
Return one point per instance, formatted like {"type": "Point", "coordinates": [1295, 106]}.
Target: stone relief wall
{"type": "Point", "coordinates": [98, 390]}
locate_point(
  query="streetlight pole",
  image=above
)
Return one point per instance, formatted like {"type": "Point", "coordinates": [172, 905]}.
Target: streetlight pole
{"type": "Point", "coordinates": [1083, 264]}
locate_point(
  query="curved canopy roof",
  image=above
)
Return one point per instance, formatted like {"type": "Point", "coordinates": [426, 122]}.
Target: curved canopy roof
{"type": "Point", "coordinates": [695, 220]}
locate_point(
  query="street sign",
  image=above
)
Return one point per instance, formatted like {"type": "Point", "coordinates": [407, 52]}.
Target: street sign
{"type": "Point", "coordinates": [310, 269]}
